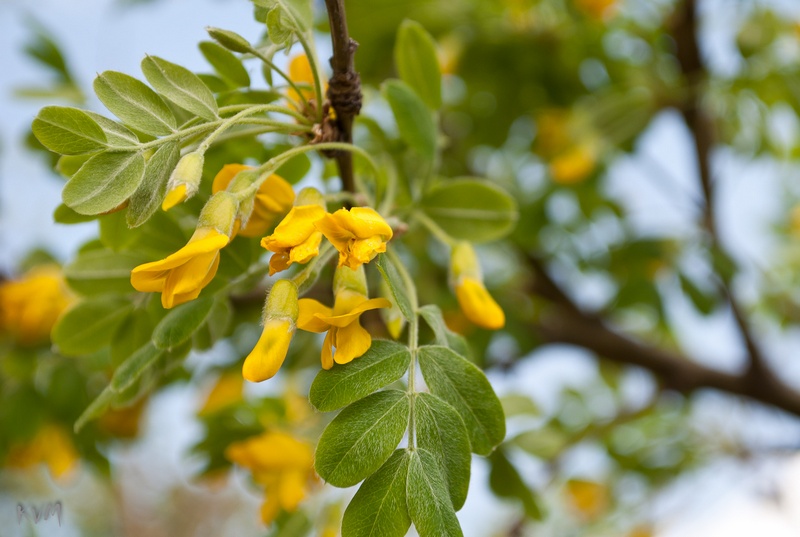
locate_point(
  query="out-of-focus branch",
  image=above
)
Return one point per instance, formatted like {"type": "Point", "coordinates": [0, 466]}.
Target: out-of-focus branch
{"type": "Point", "coordinates": [565, 322]}
{"type": "Point", "coordinates": [344, 88]}
{"type": "Point", "coordinates": [701, 128]}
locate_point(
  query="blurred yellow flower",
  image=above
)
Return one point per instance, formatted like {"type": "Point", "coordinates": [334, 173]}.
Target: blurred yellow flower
{"type": "Point", "coordinates": [280, 316]}
{"type": "Point", "coordinates": [794, 221]}
{"type": "Point", "coordinates": [181, 276]}
{"type": "Point", "coordinates": [123, 422]}
{"type": "Point", "coordinates": [467, 280]}
{"type": "Point", "coordinates": [52, 445]}
{"type": "Point", "coordinates": [342, 323]}
{"type": "Point", "coordinates": [596, 9]}
{"type": "Point", "coordinates": [588, 498]}
{"type": "Point", "coordinates": [300, 73]}
{"type": "Point", "coordinates": [273, 199]}
{"type": "Point", "coordinates": [574, 165]}
{"type": "Point", "coordinates": [279, 462]}
{"type": "Point", "coordinates": [30, 306]}
{"type": "Point", "coordinates": [359, 234]}
{"type": "Point", "coordinates": [226, 391]}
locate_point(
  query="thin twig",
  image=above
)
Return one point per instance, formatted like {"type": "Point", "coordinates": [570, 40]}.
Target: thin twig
{"type": "Point", "coordinates": [344, 88]}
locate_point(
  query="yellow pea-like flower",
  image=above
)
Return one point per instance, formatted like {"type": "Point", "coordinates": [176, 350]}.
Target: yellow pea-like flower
{"type": "Point", "coordinates": [574, 165]}
{"type": "Point", "coordinates": [280, 317]}
{"type": "Point", "coordinates": [31, 305]}
{"type": "Point", "coordinates": [226, 391]}
{"type": "Point", "coordinates": [51, 445]}
{"type": "Point", "coordinates": [296, 239]}
{"type": "Point", "coordinates": [342, 322]}
{"type": "Point", "coordinates": [300, 73]}
{"type": "Point", "coordinates": [467, 280]}
{"type": "Point", "coordinates": [359, 234]}
{"type": "Point", "coordinates": [281, 463]}
{"type": "Point", "coordinates": [273, 199]}
{"type": "Point", "coordinates": [180, 277]}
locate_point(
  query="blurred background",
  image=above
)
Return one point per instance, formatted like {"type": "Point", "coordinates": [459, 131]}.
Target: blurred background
{"type": "Point", "coordinates": [653, 149]}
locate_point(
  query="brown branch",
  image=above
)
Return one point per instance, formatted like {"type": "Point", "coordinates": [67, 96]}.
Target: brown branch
{"type": "Point", "coordinates": [344, 88]}
{"type": "Point", "coordinates": [566, 323]}
{"type": "Point", "coordinates": [701, 128]}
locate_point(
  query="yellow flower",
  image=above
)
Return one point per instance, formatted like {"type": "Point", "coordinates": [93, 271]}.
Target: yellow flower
{"type": "Point", "coordinates": [296, 239]}
{"type": "Point", "coordinates": [574, 165]}
{"type": "Point", "coordinates": [226, 391]}
{"type": "Point", "coordinates": [359, 234]}
{"type": "Point", "coordinates": [300, 73]}
{"type": "Point", "coordinates": [280, 317]}
{"type": "Point", "coordinates": [181, 276]}
{"type": "Point", "coordinates": [30, 306]}
{"type": "Point", "coordinates": [587, 498]}
{"type": "Point", "coordinates": [342, 323]}
{"type": "Point", "coordinates": [597, 9]}
{"type": "Point", "coordinates": [475, 301]}
{"type": "Point", "coordinates": [279, 462]}
{"type": "Point", "coordinates": [273, 199]}
{"type": "Point", "coordinates": [51, 445]}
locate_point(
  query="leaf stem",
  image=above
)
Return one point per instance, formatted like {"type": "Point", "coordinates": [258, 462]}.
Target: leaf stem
{"type": "Point", "coordinates": [434, 228]}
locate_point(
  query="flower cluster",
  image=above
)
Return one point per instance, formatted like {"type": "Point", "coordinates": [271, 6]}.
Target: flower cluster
{"type": "Point", "coordinates": [279, 462]}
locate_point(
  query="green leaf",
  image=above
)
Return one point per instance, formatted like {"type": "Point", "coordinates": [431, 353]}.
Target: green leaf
{"type": "Point", "coordinates": [215, 83]}
{"type": "Point", "coordinates": [545, 443]}
{"type": "Point", "coordinates": [286, 17]}
{"type": "Point", "coordinates": [396, 285]}
{"type": "Point", "coordinates": [444, 336]}
{"type": "Point", "coordinates": [88, 326]}
{"type": "Point", "coordinates": [225, 63]}
{"type": "Point", "coordinates": [118, 135]}
{"type": "Point", "coordinates": [460, 383]}
{"type": "Point", "coordinates": [417, 64]}
{"type": "Point", "coordinates": [384, 363]}
{"type": "Point", "coordinates": [229, 39]}
{"type": "Point", "coordinates": [104, 182]}
{"type": "Point", "coordinates": [441, 431]}
{"type": "Point", "coordinates": [470, 209]}
{"type": "Point", "coordinates": [65, 215]}
{"type": "Point", "coordinates": [148, 197]}
{"type": "Point", "coordinates": [183, 321]}
{"type": "Point", "coordinates": [414, 120]}
{"type": "Point", "coordinates": [134, 367]}
{"type": "Point", "coordinates": [68, 165]}
{"type": "Point", "coordinates": [428, 501]}
{"type": "Point", "coordinates": [101, 271]}
{"type": "Point", "coordinates": [506, 482]}
{"type": "Point", "coordinates": [180, 86]}
{"type": "Point", "coordinates": [379, 507]}
{"type": "Point", "coordinates": [360, 439]}
{"type": "Point", "coordinates": [216, 326]}
{"type": "Point", "coordinates": [131, 335]}
{"type": "Point", "coordinates": [96, 408]}
{"type": "Point", "coordinates": [68, 131]}
{"type": "Point", "coordinates": [134, 103]}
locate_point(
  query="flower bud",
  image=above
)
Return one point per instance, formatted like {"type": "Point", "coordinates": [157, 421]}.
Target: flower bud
{"type": "Point", "coordinates": [219, 213]}
{"type": "Point", "coordinates": [280, 323]}
{"type": "Point", "coordinates": [467, 279]}
{"type": "Point", "coordinates": [184, 181]}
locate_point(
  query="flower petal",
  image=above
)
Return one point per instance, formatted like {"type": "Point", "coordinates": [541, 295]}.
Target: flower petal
{"type": "Point", "coordinates": [351, 342]}
{"type": "Point", "coordinates": [347, 318]}
{"type": "Point", "coordinates": [478, 305]}
{"type": "Point", "coordinates": [226, 175]}
{"type": "Point", "coordinates": [327, 348]}
{"type": "Point", "coordinates": [296, 228]}
{"type": "Point", "coordinates": [309, 317]}
{"type": "Point", "coordinates": [367, 222]}
{"type": "Point", "coordinates": [269, 353]}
